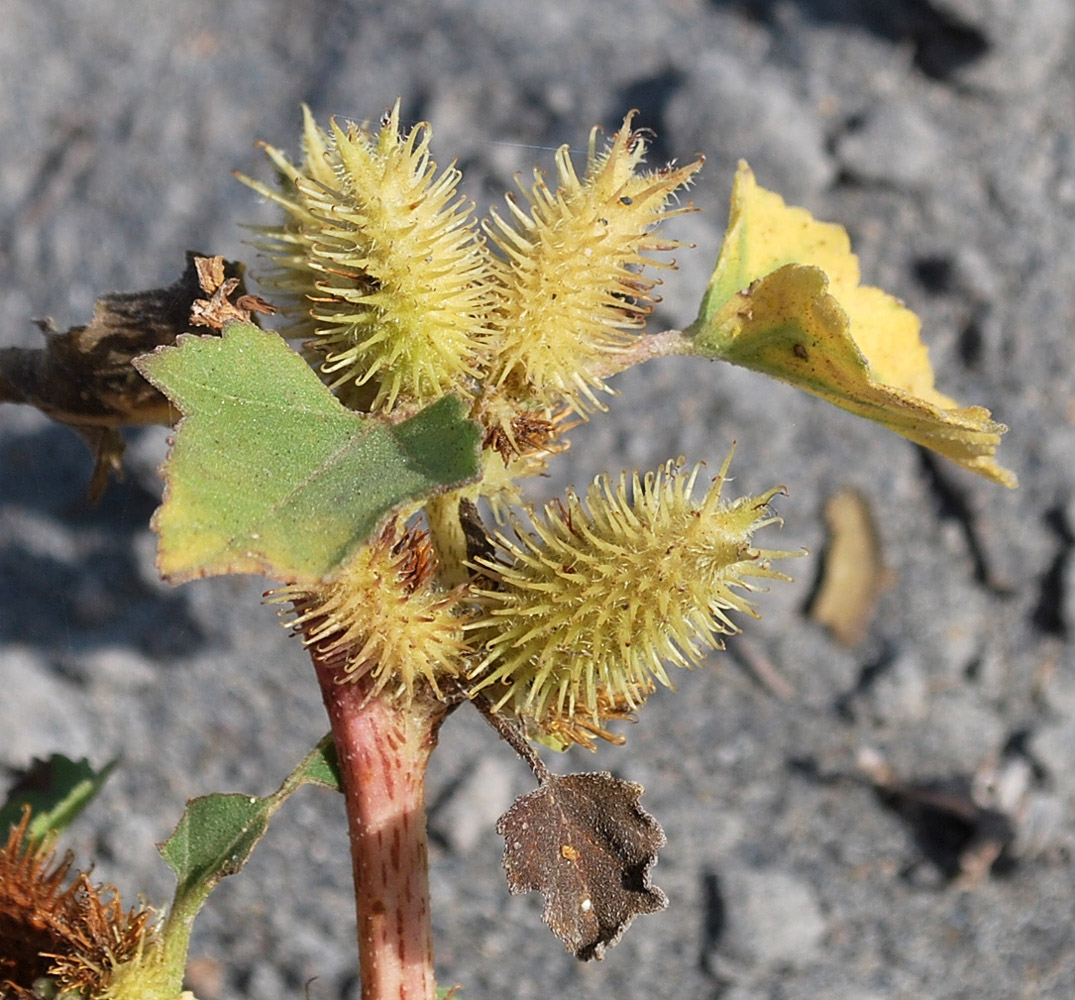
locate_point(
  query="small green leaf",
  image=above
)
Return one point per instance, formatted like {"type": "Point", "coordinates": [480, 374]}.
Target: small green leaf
{"type": "Point", "coordinates": [217, 834]}
{"type": "Point", "coordinates": [213, 840]}
{"type": "Point", "coordinates": [269, 474]}
{"type": "Point", "coordinates": [56, 791]}
{"type": "Point", "coordinates": [320, 767]}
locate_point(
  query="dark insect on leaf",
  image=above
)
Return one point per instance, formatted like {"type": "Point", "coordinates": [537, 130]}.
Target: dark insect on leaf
{"type": "Point", "coordinates": [588, 846]}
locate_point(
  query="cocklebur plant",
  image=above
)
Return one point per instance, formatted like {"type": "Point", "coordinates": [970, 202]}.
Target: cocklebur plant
{"type": "Point", "coordinates": [375, 476]}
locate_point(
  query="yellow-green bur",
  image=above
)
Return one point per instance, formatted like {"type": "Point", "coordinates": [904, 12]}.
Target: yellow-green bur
{"type": "Point", "coordinates": [269, 474]}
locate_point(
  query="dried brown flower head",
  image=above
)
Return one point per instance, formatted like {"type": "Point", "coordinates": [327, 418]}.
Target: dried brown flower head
{"type": "Point", "coordinates": [63, 929]}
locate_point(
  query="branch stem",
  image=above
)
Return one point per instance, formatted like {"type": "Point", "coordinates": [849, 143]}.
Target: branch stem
{"type": "Point", "coordinates": [383, 751]}
{"type": "Point", "coordinates": [666, 344]}
{"type": "Point", "coordinates": [511, 733]}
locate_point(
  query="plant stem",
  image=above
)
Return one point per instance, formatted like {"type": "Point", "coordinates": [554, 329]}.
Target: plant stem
{"type": "Point", "coordinates": [448, 537]}
{"type": "Point", "coordinates": [383, 751]}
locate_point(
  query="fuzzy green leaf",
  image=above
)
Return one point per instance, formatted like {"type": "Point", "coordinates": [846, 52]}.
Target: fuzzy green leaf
{"type": "Point", "coordinates": [217, 834]}
{"type": "Point", "coordinates": [320, 767]}
{"type": "Point", "coordinates": [269, 474]}
{"type": "Point", "coordinates": [213, 840]}
{"type": "Point", "coordinates": [56, 791]}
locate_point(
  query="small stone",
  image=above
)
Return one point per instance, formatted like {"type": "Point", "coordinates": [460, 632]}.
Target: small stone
{"type": "Point", "coordinates": [1044, 827]}
{"type": "Point", "coordinates": [895, 144]}
{"type": "Point", "coordinates": [901, 693]}
{"type": "Point", "coordinates": [1059, 693]}
{"type": "Point", "coordinates": [1024, 41]}
{"type": "Point", "coordinates": [965, 731]}
{"type": "Point", "coordinates": [473, 806]}
{"type": "Point", "coordinates": [773, 917]}
{"type": "Point", "coordinates": [1054, 747]}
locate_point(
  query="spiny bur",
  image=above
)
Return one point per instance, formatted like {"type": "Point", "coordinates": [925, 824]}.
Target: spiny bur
{"type": "Point", "coordinates": [381, 620]}
{"type": "Point", "coordinates": [572, 292]}
{"type": "Point", "coordinates": [378, 265]}
{"type": "Point", "coordinates": [60, 932]}
{"type": "Point", "coordinates": [581, 612]}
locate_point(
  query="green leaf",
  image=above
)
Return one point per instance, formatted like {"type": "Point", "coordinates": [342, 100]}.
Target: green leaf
{"type": "Point", "coordinates": [218, 832]}
{"type": "Point", "coordinates": [216, 836]}
{"type": "Point", "coordinates": [320, 767]}
{"type": "Point", "coordinates": [56, 791]}
{"type": "Point", "coordinates": [213, 840]}
{"type": "Point", "coordinates": [270, 474]}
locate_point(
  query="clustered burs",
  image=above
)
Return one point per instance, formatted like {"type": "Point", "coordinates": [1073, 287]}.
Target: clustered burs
{"type": "Point", "coordinates": [400, 298]}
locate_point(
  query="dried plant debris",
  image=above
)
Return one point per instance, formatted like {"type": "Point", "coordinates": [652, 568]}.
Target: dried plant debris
{"type": "Point", "coordinates": [587, 845]}
{"type": "Point", "coordinates": [84, 378]}
{"type": "Point", "coordinates": [61, 934]}
{"type": "Point", "coordinates": [853, 572]}
{"type": "Point", "coordinates": [218, 309]}
{"type": "Point", "coordinates": [961, 828]}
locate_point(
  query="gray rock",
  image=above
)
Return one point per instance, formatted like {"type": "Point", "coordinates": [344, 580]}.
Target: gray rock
{"type": "Point", "coordinates": [1054, 746]}
{"type": "Point", "coordinates": [473, 805]}
{"type": "Point", "coordinates": [968, 731]}
{"type": "Point", "coordinates": [894, 144]}
{"type": "Point", "coordinates": [773, 917]}
{"type": "Point", "coordinates": [1044, 826]}
{"type": "Point", "coordinates": [1025, 40]}
{"type": "Point", "coordinates": [901, 693]}
{"type": "Point", "coordinates": [1059, 693]}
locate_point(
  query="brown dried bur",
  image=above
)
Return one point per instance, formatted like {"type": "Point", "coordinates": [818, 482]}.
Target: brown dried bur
{"type": "Point", "coordinates": [59, 926]}
{"type": "Point", "coordinates": [587, 845]}
{"type": "Point", "coordinates": [84, 378]}
{"type": "Point", "coordinates": [853, 572]}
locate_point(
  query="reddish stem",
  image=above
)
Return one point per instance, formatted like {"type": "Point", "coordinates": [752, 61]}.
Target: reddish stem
{"type": "Point", "coordinates": [383, 750]}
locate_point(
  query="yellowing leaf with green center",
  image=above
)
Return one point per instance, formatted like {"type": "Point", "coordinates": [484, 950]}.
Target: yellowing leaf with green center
{"type": "Point", "coordinates": [785, 299]}
{"type": "Point", "coordinates": [270, 474]}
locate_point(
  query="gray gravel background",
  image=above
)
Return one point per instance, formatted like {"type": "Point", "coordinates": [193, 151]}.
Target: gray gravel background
{"type": "Point", "coordinates": [940, 133]}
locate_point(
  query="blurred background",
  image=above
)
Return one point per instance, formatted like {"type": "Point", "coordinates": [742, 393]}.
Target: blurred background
{"type": "Point", "coordinates": [887, 815]}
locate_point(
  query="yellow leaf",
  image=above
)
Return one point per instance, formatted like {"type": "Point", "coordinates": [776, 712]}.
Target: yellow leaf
{"type": "Point", "coordinates": [785, 299]}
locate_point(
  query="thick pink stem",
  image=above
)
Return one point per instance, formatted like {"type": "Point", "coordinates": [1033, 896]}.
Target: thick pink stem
{"type": "Point", "coordinates": [383, 751]}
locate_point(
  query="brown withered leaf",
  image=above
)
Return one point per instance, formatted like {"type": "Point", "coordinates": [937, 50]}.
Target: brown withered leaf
{"type": "Point", "coordinates": [587, 845]}
{"type": "Point", "coordinates": [853, 572]}
{"type": "Point", "coordinates": [479, 545]}
{"type": "Point", "coordinates": [84, 378]}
